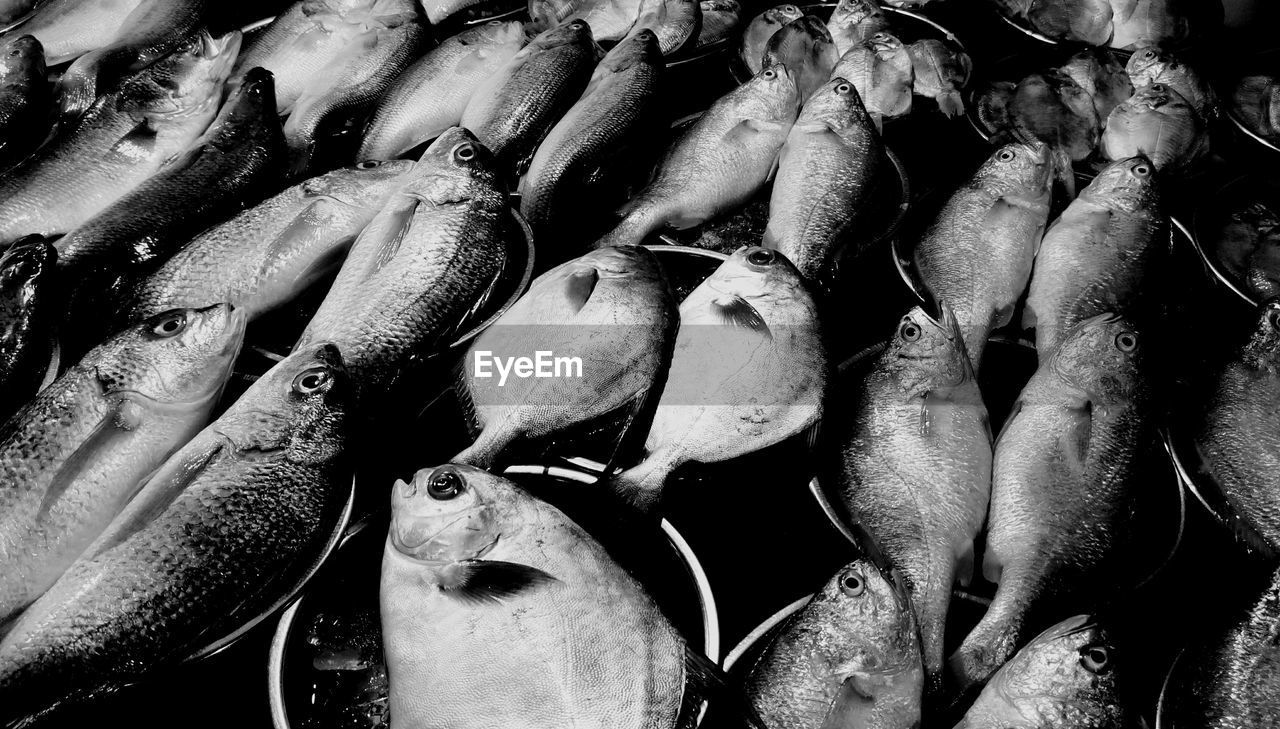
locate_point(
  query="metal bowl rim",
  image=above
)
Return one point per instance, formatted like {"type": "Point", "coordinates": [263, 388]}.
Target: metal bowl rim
{"type": "Point", "coordinates": [762, 630]}
{"type": "Point", "coordinates": [1199, 219]}
{"type": "Point", "coordinates": [1233, 115]}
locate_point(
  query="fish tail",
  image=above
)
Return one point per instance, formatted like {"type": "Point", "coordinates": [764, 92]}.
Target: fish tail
{"type": "Point", "coordinates": [990, 644]}
{"type": "Point", "coordinates": [638, 222]}
{"type": "Point", "coordinates": [485, 451]}
{"type": "Point", "coordinates": [951, 103]}
{"type": "Point", "coordinates": [641, 486]}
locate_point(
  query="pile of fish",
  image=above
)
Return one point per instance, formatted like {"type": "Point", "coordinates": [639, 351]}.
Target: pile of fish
{"type": "Point", "coordinates": [1122, 24]}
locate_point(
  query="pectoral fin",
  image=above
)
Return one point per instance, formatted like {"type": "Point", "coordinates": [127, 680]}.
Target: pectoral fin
{"type": "Point", "coordinates": [480, 581]}
{"type": "Point", "coordinates": [737, 311]}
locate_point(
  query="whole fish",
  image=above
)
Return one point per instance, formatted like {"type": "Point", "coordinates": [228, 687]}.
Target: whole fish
{"type": "Point", "coordinates": [611, 308]}
{"type": "Point", "coordinates": [25, 98]}
{"type": "Point", "coordinates": [1101, 75]}
{"type": "Point", "coordinates": [882, 70]}
{"type": "Point", "coordinates": [74, 457]}
{"type": "Point", "coordinates": [826, 174]}
{"type": "Point", "coordinates": [720, 19]}
{"type": "Point", "coordinates": [485, 587]}
{"type": "Point", "coordinates": [849, 657]}
{"type": "Point", "coordinates": [977, 254]}
{"type": "Point", "coordinates": [761, 29]}
{"type": "Point", "coordinates": [432, 93]}
{"type": "Point", "coordinates": [152, 31]}
{"type": "Point", "coordinates": [676, 23]}
{"type": "Point", "coordinates": [124, 138]}
{"type": "Point", "coordinates": [28, 317]}
{"type": "Point", "coordinates": [805, 48]}
{"type": "Point", "coordinates": [1154, 66]}
{"type": "Point", "coordinates": [1070, 470]}
{"type": "Point", "coordinates": [1141, 23]}
{"type": "Point", "coordinates": [940, 72]}
{"type": "Point", "coordinates": [915, 466]}
{"type": "Point", "coordinates": [351, 83]}
{"type": "Point", "coordinates": [1065, 677]}
{"type": "Point", "coordinates": [220, 535]}
{"type": "Point", "coordinates": [1256, 103]}
{"type": "Point", "coordinates": [1054, 109]}
{"type": "Point", "coordinates": [69, 29]}
{"type": "Point", "coordinates": [422, 267]}
{"type": "Point", "coordinates": [1237, 439]}
{"type": "Point", "coordinates": [609, 20]}
{"type": "Point", "coordinates": [1103, 254]}
{"type": "Point", "coordinates": [720, 163]}
{"type": "Point", "coordinates": [1248, 247]}
{"type": "Point", "coordinates": [620, 103]}
{"type": "Point", "coordinates": [853, 22]}
{"type": "Point", "coordinates": [1085, 21]}
{"type": "Point", "coordinates": [1159, 123]}
{"type": "Point", "coordinates": [269, 254]}
{"type": "Point", "coordinates": [749, 371]}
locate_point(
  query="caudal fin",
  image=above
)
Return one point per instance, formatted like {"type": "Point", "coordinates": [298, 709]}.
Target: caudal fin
{"type": "Point", "coordinates": [641, 486]}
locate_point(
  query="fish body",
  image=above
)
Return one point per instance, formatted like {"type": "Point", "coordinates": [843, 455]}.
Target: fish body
{"type": "Point", "coordinates": [977, 254]}
{"type": "Point", "coordinates": [749, 371]}
{"type": "Point", "coordinates": [853, 22]}
{"type": "Point", "coordinates": [1256, 101]}
{"type": "Point", "coordinates": [1141, 23]}
{"type": "Point", "coordinates": [719, 163]}
{"type": "Point", "coordinates": [1087, 21]}
{"type": "Point", "coordinates": [74, 457]}
{"type": "Point", "coordinates": [267, 255]}
{"type": "Point", "coordinates": [805, 48]}
{"type": "Point", "coordinates": [69, 29]}
{"type": "Point", "coordinates": [15, 11]}
{"type": "Point", "coordinates": [220, 535]}
{"type": "Point", "coordinates": [1101, 75]}
{"type": "Point", "coordinates": [609, 20]}
{"type": "Point", "coordinates": [1103, 254]}
{"type": "Point", "coordinates": [826, 174]}
{"type": "Point", "coordinates": [1053, 108]}
{"type": "Point", "coordinates": [439, 10]}
{"type": "Point", "coordinates": [25, 98]}
{"type": "Point", "coordinates": [720, 18]}
{"type": "Point", "coordinates": [1154, 66]}
{"type": "Point", "coordinates": [124, 138]}
{"type": "Point", "coordinates": [883, 72]}
{"type": "Point", "coordinates": [940, 72]}
{"type": "Point", "coordinates": [433, 92]}
{"type": "Point", "coordinates": [1160, 123]}
{"type": "Point", "coordinates": [1069, 471]}
{"type": "Point", "coordinates": [849, 657]}
{"type": "Point", "coordinates": [915, 466]}
{"type": "Point", "coordinates": [1248, 248]}
{"type": "Point", "coordinates": [28, 316]}
{"type": "Point", "coordinates": [761, 28]}
{"type": "Point", "coordinates": [676, 23]}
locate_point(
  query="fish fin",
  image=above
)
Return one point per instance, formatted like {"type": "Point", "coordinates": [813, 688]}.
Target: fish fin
{"type": "Point", "coordinates": [479, 581]}
{"type": "Point", "coordinates": [580, 286]}
{"type": "Point", "coordinates": [705, 680]}
{"type": "Point", "coordinates": [852, 700]}
{"type": "Point", "coordinates": [136, 142]}
{"type": "Point", "coordinates": [737, 311]}
{"type": "Point", "coordinates": [641, 485]}
{"type": "Point", "coordinates": [747, 128]}
{"type": "Point", "coordinates": [118, 424]}
{"type": "Point", "coordinates": [55, 364]}
{"type": "Point", "coordinates": [1075, 439]}
{"type": "Point", "coordinates": [965, 564]}
{"type": "Point", "coordinates": [931, 405]}
{"type": "Point", "coordinates": [1013, 413]}
{"type": "Point", "coordinates": [400, 222]}
{"type": "Point", "coordinates": [951, 103]}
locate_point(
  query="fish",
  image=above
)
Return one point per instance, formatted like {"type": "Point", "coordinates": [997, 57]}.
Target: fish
{"type": "Point", "coordinates": [884, 74]}
{"type": "Point", "coordinates": [720, 18]}
{"type": "Point", "coordinates": [1141, 23]}
{"type": "Point", "coordinates": [75, 455]}
{"type": "Point", "coordinates": [749, 371]}
{"type": "Point", "coordinates": [914, 466]}
{"type": "Point", "coordinates": [1159, 123]}
{"type": "Point", "coordinates": [422, 267]}
{"type": "Point", "coordinates": [619, 104]}
{"type": "Point", "coordinates": [1153, 66]}
{"type": "Point", "coordinates": [719, 163]}
{"type": "Point", "coordinates": [761, 29]}
{"type": "Point", "coordinates": [1087, 21]}
{"type": "Point", "coordinates": [1069, 675]}
{"type": "Point", "coordinates": [440, 10]}
{"type": "Point", "coordinates": [1071, 468]}
{"type": "Point", "coordinates": [433, 92]}
{"type": "Point", "coordinates": [267, 255]}
{"type": "Point", "coordinates": [1103, 254]}
{"type": "Point", "coordinates": [220, 536]}
{"type": "Point", "coordinates": [26, 99]}
{"type": "Point", "coordinates": [853, 22]}
{"type": "Point", "coordinates": [805, 48]}
{"type": "Point", "coordinates": [13, 12]}
{"type": "Point", "coordinates": [124, 138]}
{"type": "Point", "coordinates": [1102, 76]}
{"type": "Point", "coordinates": [977, 253]}
{"type": "Point", "coordinates": [940, 72]}
{"type": "Point", "coordinates": [68, 29]}
{"type": "Point", "coordinates": [1247, 246]}
{"type": "Point", "coordinates": [484, 586]}
{"type": "Point", "coordinates": [613, 309]}
{"type": "Point", "coordinates": [676, 23]}
{"type": "Point", "coordinates": [849, 657]}
{"type": "Point", "coordinates": [1234, 437]}
{"type": "Point", "coordinates": [28, 321]}
{"type": "Point", "coordinates": [827, 171]}
{"type": "Point", "coordinates": [1256, 103]}
{"type": "Point", "coordinates": [1054, 109]}
{"type": "Point", "coordinates": [354, 81]}
{"type": "Point", "coordinates": [609, 20]}
{"type": "Point", "coordinates": [152, 31]}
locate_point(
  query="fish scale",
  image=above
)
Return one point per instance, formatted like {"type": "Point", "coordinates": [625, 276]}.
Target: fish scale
{"type": "Point", "coordinates": [70, 28]}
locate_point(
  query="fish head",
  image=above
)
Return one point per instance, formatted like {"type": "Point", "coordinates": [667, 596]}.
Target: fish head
{"type": "Point", "coordinates": [253, 99]}
{"type": "Point", "coordinates": [1149, 64]}
{"type": "Point", "coordinates": [575, 32]}
{"type": "Point", "coordinates": [363, 185]}
{"type": "Point", "coordinates": [838, 104]}
{"type": "Point", "coordinates": [783, 14]}
{"type": "Point", "coordinates": [192, 77]}
{"type": "Point", "coordinates": [23, 269]}
{"type": "Point", "coordinates": [638, 49]}
{"type": "Point", "coordinates": [180, 357]}
{"type": "Point", "coordinates": [885, 44]}
{"type": "Point", "coordinates": [1263, 346]}
{"type": "Point", "coordinates": [1103, 356]}
{"type": "Point", "coordinates": [927, 353]}
{"type": "Point", "coordinates": [445, 514]}
{"type": "Point", "coordinates": [849, 13]}
{"type": "Point", "coordinates": [547, 14]}
{"type": "Point", "coordinates": [450, 169]}
{"type": "Point", "coordinates": [1128, 185]}
{"type": "Point", "coordinates": [758, 274]}
{"type": "Point", "coordinates": [1064, 676]}
{"type": "Point", "coordinates": [21, 57]}
{"type": "Point", "coordinates": [772, 94]}
{"type": "Point", "coordinates": [1024, 169]}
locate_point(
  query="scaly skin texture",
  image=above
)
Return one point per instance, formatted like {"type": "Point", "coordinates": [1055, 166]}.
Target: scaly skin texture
{"type": "Point", "coordinates": [805, 47]}
{"type": "Point", "coordinates": [977, 254]}
{"type": "Point", "coordinates": [915, 466]}
{"type": "Point", "coordinates": [69, 29]}
{"type": "Point", "coordinates": [609, 20]}
{"type": "Point", "coordinates": [1101, 75]}
{"type": "Point", "coordinates": [881, 69]}
{"type": "Point", "coordinates": [850, 657]}
{"type": "Point", "coordinates": [616, 107]}
{"type": "Point", "coordinates": [415, 274]}
{"type": "Point", "coordinates": [719, 163]}
{"type": "Point", "coordinates": [1068, 465]}
{"type": "Point", "coordinates": [720, 18]}
{"type": "Point", "coordinates": [1239, 440]}
{"type": "Point", "coordinates": [675, 23]}
{"type": "Point", "coordinates": [1087, 21]}
{"type": "Point", "coordinates": [855, 21]}
{"type": "Point", "coordinates": [1064, 679]}
{"type": "Point", "coordinates": [614, 310]}
{"type": "Point", "coordinates": [1103, 254]}
{"type": "Point", "coordinates": [1140, 23]}
{"type": "Point", "coordinates": [761, 29]}
{"type": "Point", "coordinates": [584, 645]}
{"type": "Point", "coordinates": [1153, 66]}
{"type": "Point", "coordinates": [1159, 123]}
{"type": "Point", "coordinates": [225, 528]}
{"type": "Point", "coordinates": [432, 93]}
{"type": "Point", "coordinates": [122, 139]}
{"type": "Point", "coordinates": [28, 317]}
{"type": "Point", "coordinates": [270, 253]}
{"type": "Point", "coordinates": [73, 457]}
{"type": "Point", "coordinates": [1248, 247]}
{"type": "Point", "coordinates": [749, 371]}
{"type": "Point", "coordinates": [512, 110]}
{"type": "Point", "coordinates": [826, 172]}
{"type": "Point", "coordinates": [25, 98]}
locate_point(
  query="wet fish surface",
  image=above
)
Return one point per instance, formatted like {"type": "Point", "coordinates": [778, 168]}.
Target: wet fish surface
{"type": "Point", "coordinates": [28, 320]}
{"type": "Point", "coordinates": [940, 72]}
{"type": "Point", "coordinates": [675, 23]}
{"type": "Point", "coordinates": [882, 70]}
{"type": "Point", "coordinates": [69, 29]}
{"type": "Point", "coordinates": [853, 22]}
{"type": "Point", "coordinates": [761, 29]}
{"type": "Point", "coordinates": [1159, 123]}
{"type": "Point", "coordinates": [720, 18]}
{"type": "Point", "coordinates": [805, 48]}
{"type": "Point", "coordinates": [26, 99]}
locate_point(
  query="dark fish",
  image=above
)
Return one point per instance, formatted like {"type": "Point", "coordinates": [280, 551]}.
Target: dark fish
{"type": "Point", "coordinates": [805, 47]}
{"type": "Point", "coordinates": [15, 11]}
{"type": "Point", "coordinates": [1256, 100]}
{"type": "Point", "coordinates": [28, 317]}
{"type": "Point", "coordinates": [1102, 76]}
{"type": "Point", "coordinates": [1085, 21]}
{"type": "Point", "coordinates": [1247, 246]}
{"type": "Point", "coordinates": [675, 23]}
{"type": "Point", "coordinates": [26, 99]}
{"type": "Point", "coordinates": [761, 28]}
{"type": "Point", "coordinates": [1053, 108]}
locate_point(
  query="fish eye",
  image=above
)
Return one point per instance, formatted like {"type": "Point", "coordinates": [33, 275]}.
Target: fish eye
{"type": "Point", "coordinates": [1126, 341]}
{"type": "Point", "coordinates": [578, 24]}
{"type": "Point", "coordinates": [760, 257]}
{"type": "Point", "coordinates": [1142, 169]}
{"type": "Point", "coordinates": [769, 73]}
{"type": "Point", "coordinates": [852, 583]}
{"type": "Point", "coordinates": [311, 380]}
{"type": "Point", "coordinates": [1096, 659]}
{"type": "Point", "coordinates": [1158, 88]}
{"type": "Point", "coordinates": [15, 53]}
{"type": "Point", "coordinates": [444, 485]}
{"type": "Point", "coordinates": [1273, 316]}
{"type": "Point", "coordinates": [909, 331]}
{"type": "Point", "coordinates": [1006, 155]}
{"type": "Point", "coordinates": [1149, 53]}
{"type": "Point", "coordinates": [369, 165]}
{"type": "Point", "coordinates": [843, 89]}
{"type": "Point", "coordinates": [169, 325]}
{"type": "Point", "coordinates": [464, 152]}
